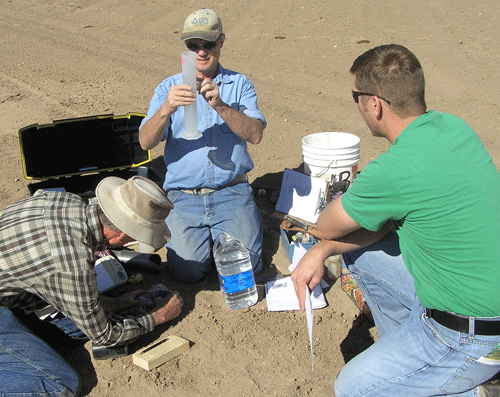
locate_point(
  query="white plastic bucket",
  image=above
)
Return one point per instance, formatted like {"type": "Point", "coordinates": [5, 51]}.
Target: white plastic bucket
{"type": "Point", "coordinates": [336, 162]}
{"type": "Point", "coordinates": [333, 156]}
{"type": "Point", "coordinates": [307, 151]}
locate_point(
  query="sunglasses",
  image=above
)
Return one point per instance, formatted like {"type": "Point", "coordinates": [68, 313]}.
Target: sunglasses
{"type": "Point", "coordinates": [357, 94]}
{"type": "Point", "coordinates": [207, 46]}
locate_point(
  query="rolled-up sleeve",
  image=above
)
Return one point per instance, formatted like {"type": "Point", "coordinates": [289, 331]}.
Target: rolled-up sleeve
{"type": "Point", "coordinates": [248, 104]}
{"type": "Point", "coordinates": [76, 297]}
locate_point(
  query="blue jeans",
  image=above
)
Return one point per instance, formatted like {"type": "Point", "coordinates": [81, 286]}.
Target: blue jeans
{"type": "Point", "coordinates": [28, 366]}
{"type": "Point", "coordinates": [414, 356]}
{"type": "Point", "coordinates": [196, 221]}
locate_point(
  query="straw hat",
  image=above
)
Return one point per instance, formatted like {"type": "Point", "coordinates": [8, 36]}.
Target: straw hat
{"type": "Point", "coordinates": [138, 207]}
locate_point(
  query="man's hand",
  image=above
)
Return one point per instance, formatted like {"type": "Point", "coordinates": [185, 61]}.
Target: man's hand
{"type": "Point", "coordinates": [151, 132]}
{"type": "Point", "coordinates": [179, 95]}
{"type": "Point", "coordinates": [167, 308]}
{"type": "Point", "coordinates": [310, 270]}
{"type": "Point", "coordinates": [209, 90]}
{"type": "Point", "coordinates": [247, 128]}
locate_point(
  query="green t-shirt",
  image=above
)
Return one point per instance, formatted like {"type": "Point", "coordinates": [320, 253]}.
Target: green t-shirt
{"type": "Point", "coordinates": [439, 185]}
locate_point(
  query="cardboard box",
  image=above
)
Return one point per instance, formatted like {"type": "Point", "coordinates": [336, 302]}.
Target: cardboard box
{"type": "Point", "coordinates": [76, 154]}
{"type": "Point", "coordinates": [289, 244]}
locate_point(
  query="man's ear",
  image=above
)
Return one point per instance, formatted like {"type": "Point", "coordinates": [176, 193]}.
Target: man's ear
{"type": "Point", "coordinates": [376, 107]}
{"type": "Point", "coordinates": [119, 240]}
{"type": "Point", "coordinates": [379, 116]}
{"type": "Point", "coordinates": [115, 238]}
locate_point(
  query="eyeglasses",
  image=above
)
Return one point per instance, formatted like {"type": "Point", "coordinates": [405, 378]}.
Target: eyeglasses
{"type": "Point", "coordinates": [357, 94]}
{"type": "Point", "coordinates": [207, 46]}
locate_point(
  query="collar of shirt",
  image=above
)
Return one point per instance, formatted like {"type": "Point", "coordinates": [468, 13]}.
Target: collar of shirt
{"type": "Point", "coordinates": [97, 234]}
{"type": "Point", "coordinates": [219, 155]}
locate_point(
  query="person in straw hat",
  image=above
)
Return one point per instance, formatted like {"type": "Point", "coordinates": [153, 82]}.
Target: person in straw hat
{"type": "Point", "coordinates": [47, 250]}
{"type": "Point", "coordinates": [206, 178]}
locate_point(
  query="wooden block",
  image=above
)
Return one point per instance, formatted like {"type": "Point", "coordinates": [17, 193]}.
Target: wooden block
{"type": "Point", "coordinates": [160, 352]}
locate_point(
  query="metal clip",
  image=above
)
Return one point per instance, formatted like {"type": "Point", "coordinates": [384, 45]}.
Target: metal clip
{"type": "Point", "coordinates": [472, 326]}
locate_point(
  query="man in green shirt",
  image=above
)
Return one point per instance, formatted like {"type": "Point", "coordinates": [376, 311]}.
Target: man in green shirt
{"type": "Point", "coordinates": [421, 226]}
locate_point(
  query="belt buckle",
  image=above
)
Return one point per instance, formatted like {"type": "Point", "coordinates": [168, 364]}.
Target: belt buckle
{"type": "Point", "coordinates": [472, 326]}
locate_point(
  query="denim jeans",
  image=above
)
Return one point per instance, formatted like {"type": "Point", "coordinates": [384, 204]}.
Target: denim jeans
{"type": "Point", "coordinates": [28, 365]}
{"type": "Point", "coordinates": [414, 355]}
{"type": "Point", "coordinates": [196, 221]}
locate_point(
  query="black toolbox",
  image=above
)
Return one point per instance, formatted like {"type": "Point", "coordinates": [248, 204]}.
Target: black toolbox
{"type": "Point", "coordinates": [74, 155]}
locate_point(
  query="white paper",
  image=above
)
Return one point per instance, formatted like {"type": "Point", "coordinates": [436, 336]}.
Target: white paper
{"type": "Point", "coordinates": [301, 195]}
{"type": "Point", "coordinates": [489, 361]}
{"type": "Point", "coordinates": [281, 296]}
{"type": "Point", "coordinates": [298, 253]}
{"type": "Point", "coordinates": [493, 357]}
{"type": "Point", "coordinates": [309, 318]}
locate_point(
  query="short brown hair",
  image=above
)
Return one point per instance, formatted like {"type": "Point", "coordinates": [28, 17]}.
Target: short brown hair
{"type": "Point", "coordinates": [393, 72]}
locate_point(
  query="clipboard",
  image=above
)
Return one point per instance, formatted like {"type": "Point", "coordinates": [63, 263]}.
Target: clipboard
{"type": "Point", "coordinates": [302, 196]}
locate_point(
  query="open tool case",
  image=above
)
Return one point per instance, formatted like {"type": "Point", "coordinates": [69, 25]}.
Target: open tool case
{"type": "Point", "coordinates": [74, 155]}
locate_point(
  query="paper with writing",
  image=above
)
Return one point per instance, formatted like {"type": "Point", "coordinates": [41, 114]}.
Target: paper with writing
{"type": "Point", "coordinates": [281, 296]}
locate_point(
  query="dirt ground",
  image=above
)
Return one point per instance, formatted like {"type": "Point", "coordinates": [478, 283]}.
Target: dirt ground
{"type": "Point", "coordinates": [64, 59]}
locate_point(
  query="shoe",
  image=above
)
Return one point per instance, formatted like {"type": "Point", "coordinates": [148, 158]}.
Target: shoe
{"type": "Point", "coordinates": [490, 388]}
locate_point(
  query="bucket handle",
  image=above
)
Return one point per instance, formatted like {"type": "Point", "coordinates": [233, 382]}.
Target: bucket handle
{"type": "Point", "coordinates": [325, 169]}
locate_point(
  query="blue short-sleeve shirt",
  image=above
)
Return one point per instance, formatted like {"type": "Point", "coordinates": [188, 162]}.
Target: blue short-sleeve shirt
{"type": "Point", "coordinates": [219, 155]}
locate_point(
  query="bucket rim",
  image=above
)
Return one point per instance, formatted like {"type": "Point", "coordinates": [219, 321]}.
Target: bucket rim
{"type": "Point", "coordinates": [353, 140]}
{"type": "Point", "coordinates": [332, 164]}
{"type": "Point", "coordinates": [330, 152]}
{"type": "Point", "coordinates": [330, 159]}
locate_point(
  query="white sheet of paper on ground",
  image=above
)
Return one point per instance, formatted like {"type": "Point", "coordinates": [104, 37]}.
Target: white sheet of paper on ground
{"type": "Point", "coordinates": [281, 296]}
{"type": "Point", "coordinates": [301, 195]}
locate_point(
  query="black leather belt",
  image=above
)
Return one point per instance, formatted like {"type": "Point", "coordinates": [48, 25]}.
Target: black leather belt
{"type": "Point", "coordinates": [206, 190]}
{"type": "Point", "coordinates": [464, 324]}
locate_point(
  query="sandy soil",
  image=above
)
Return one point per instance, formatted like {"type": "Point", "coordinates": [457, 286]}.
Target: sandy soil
{"type": "Point", "coordinates": [88, 57]}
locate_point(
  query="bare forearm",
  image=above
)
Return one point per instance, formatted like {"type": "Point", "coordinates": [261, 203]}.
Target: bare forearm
{"type": "Point", "coordinates": [247, 128]}
{"type": "Point", "coordinates": [358, 239]}
{"type": "Point", "coordinates": [151, 132]}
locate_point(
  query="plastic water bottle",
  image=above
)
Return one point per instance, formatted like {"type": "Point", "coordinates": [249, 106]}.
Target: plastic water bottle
{"type": "Point", "coordinates": [236, 278]}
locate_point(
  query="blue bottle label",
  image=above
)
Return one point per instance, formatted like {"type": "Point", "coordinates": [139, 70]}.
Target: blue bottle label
{"type": "Point", "coordinates": [237, 282]}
